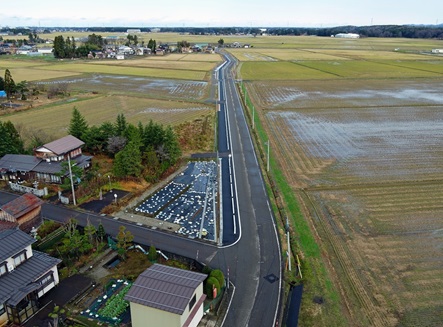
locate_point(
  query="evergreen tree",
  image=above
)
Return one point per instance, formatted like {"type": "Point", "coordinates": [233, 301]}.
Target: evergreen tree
{"type": "Point", "coordinates": [120, 125]}
{"type": "Point", "coordinates": [153, 135]}
{"type": "Point", "coordinates": [67, 47]}
{"type": "Point", "coordinates": [22, 88]}
{"type": "Point", "coordinates": [152, 45]}
{"type": "Point", "coordinates": [73, 46]}
{"type": "Point", "coordinates": [101, 233]}
{"type": "Point", "coordinates": [78, 124]}
{"type": "Point", "coordinates": [128, 162]}
{"type": "Point", "coordinates": [171, 145]}
{"type": "Point", "coordinates": [90, 232]}
{"type": "Point", "coordinates": [96, 40]}
{"type": "Point", "coordinates": [95, 139]}
{"type": "Point", "coordinates": [70, 47]}
{"type": "Point", "coordinates": [2, 84]}
{"type": "Point", "coordinates": [9, 84]}
{"type": "Point", "coordinates": [11, 142]}
{"type": "Point", "coordinates": [59, 47]}
{"type": "Point", "coordinates": [152, 254]}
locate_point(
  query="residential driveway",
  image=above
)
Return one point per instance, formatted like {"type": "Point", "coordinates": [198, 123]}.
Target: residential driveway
{"type": "Point", "coordinates": [64, 292]}
{"type": "Point", "coordinates": [107, 198]}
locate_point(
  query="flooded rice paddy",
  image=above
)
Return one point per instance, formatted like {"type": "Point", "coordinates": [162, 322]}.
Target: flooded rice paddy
{"type": "Point", "coordinates": [368, 159]}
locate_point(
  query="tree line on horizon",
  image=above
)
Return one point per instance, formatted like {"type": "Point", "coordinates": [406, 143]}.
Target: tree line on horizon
{"type": "Point", "coordinates": [406, 31]}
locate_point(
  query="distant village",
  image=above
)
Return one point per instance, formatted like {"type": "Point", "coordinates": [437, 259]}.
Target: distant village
{"type": "Point", "coordinates": [114, 47]}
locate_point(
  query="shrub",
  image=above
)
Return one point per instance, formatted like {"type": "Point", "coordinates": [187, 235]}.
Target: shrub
{"type": "Point", "coordinates": [152, 255]}
{"type": "Point", "coordinates": [47, 228]}
{"type": "Point", "coordinates": [217, 273]}
{"type": "Point", "coordinates": [210, 283]}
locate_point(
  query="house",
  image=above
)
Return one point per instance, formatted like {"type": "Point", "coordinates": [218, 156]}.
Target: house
{"type": "Point", "coordinates": [23, 212]}
{"type": "Point", "coordinates": [45, 51]}
{"type": "Point", "coordinates": [23, 50]}
{"type": "Point", "coordinates": [60, 149]}
{"type": "Point", "coordinates": [166, 296]}
{"type": "Point", "coordinates": [46, 164]}
{"type": "Point", "coordinates": [56, 152]}
{"type": "Point", "coordinates": [125, 50]}
{"type": "Point", "coordinates": [25, 276]}
{"type": "Point", "coordinates": [18, 167]}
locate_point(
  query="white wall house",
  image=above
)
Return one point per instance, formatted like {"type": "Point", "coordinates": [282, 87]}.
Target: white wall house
{"type": "Point", "coordinates": [168, 297]}
{"type": "Point", "coordinates": [25, 276]}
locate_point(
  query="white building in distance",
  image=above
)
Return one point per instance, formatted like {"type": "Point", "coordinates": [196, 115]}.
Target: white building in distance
{"type": "Point", "coordinates": [347, 35]}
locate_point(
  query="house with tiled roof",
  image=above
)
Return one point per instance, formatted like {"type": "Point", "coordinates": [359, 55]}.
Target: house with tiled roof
{"type": "Point", "coordinates": [46, 164]}
{"type": "Point", "coordinates": [23, 212]}
{"type": "Point", "coordinates": [25, 276]}
{"type": "Point", "coordinates": [167, 296]}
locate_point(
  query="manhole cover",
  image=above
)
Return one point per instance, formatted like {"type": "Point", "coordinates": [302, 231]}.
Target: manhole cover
{"type": "Point", "coordinates": [271, 278]}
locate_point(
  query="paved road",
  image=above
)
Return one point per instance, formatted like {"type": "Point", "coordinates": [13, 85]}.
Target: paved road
{"type": "Point", "coordinates": [254, 261]}
{"type": "Point", "coordinates": [142, 234]}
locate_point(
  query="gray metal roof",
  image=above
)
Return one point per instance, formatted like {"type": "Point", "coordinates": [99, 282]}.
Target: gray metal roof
{"type": "Point", "coordinates": [54, 167]}
{"type": "Point", "coordinates": [15, 285]}
{"type": "Point", "coordinates": [18, 162]}
{"type": "Point", "coordinates": [165, 288]}
{"type": "Point", "coordinates": [63, 145]}
{"type": "Point", "coordinates": [12, 242]}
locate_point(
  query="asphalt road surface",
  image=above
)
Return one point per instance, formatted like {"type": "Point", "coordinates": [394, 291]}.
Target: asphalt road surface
{"type": "Point", "coordinates": [253, 261]}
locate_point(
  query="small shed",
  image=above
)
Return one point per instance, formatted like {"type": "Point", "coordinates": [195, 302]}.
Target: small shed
{"type": "Point", "coordinates": [24, 212]}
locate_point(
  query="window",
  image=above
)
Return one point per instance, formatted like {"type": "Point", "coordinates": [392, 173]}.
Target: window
{"type": "Point", "coordinates": [2, 309]}
{"type": "Point", "coordinates": [20, 258]}
{"type": "Point", "coordinates": [3, 268]}
{"type": "Point", "coordinates": [193, 300]}
{"type": "Point", "coordinates": [47, 280]}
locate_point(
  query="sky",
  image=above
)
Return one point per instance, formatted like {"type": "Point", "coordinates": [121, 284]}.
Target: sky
{"type": "Point", "coordinates": [205, 13]}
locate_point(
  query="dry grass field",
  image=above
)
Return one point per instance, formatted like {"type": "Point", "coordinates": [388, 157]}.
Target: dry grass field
{"type": "Point", "coordinates": [171, 90]}
{"type": "Point", "coordinates": [362, 152]}
{"type": "Point", "coordinates": [99, 109]}
{"type": "Point", "coordinates": [90, 67]}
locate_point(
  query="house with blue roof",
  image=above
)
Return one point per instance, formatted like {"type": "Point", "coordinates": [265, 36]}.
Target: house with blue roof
{"type": "Point", "coordinates": [3, 94]}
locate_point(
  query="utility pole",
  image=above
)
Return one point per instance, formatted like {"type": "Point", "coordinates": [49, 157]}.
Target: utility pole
{"type": "Point", "coordinates": [70, 177]}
